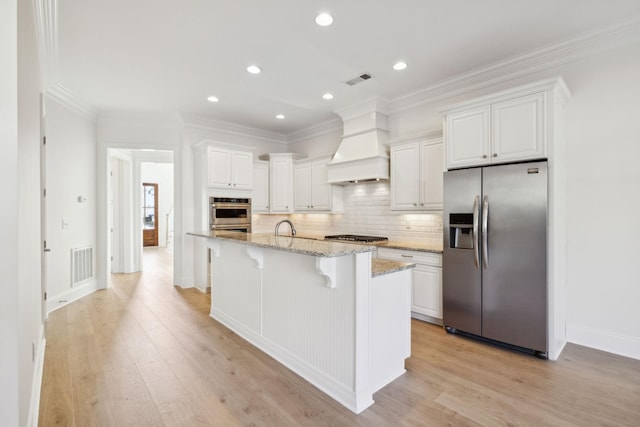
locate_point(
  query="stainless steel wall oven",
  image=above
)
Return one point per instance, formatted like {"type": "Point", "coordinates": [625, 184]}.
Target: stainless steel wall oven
{"type": "Point", "coordinates": [229, 213]}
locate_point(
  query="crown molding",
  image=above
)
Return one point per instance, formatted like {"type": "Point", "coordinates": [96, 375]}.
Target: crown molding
{"type": "Point", "coordinates": [620, 34]}
{"type": "Point", "coordinates": [324, 128]}
{"type": "Point", "coordinates": [64, 97]}
{"type": "Point", "coordinates": [370, 105]}
{"type": "Point", "coordinates": [204, 123]}
{"type": "Point", "coordinates": [426, 134]}
{"type": "Point", "coordinates": [46, 23]}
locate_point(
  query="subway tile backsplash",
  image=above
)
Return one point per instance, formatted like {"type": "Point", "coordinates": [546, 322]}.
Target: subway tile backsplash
{"type": "Point", "coordinates": [366, 211]}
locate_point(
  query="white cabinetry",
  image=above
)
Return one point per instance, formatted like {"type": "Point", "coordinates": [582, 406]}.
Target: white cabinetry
{"type": "Point", "coordinates": [281, 181]}
{"type": "Point", "coordinates": [512, 125]}
{"type": "Point", "coordinates": [426, 295]}
{"type": "Point", "coordinates": [260, 194]}
{"type": "Point", "coordinates": [311, 191]}
{"type": "Point", "coordinates": [229, 168]}
{"type": "Point", "coordinates": [416, 175]}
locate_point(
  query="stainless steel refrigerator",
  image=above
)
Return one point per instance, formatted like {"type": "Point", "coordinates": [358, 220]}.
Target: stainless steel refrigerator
{"type": "Point", "coordinates": [495, 254]}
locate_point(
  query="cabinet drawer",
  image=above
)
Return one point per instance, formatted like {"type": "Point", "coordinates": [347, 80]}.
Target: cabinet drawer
{"type": "Point", "coordinates": [425, 258]}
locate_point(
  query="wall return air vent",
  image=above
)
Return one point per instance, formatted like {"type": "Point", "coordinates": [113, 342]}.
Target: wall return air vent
{"type": "Point", "coordinates": [361, 78]}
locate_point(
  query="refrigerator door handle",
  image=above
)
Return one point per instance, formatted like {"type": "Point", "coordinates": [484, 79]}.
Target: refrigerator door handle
{"type": "Point", "coordinates": [476, 216]}
{"type": "Point", "coordinates": [485, 227]}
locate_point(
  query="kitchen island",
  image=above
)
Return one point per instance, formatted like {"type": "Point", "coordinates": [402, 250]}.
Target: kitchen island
{"type": "Point", "coordinates": [325, 310]}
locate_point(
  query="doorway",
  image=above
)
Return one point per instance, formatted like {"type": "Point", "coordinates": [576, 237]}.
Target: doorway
{"type": "Point", "coordinates": [140, 206]}
{"type": "Point", "coordinates": [150, 214]}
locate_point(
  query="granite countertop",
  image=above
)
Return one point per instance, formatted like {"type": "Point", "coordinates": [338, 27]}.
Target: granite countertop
{"type": "Point", "coordinates": [380, 266]}
{"type": "Point", "coordinates": [391, 244]}
{"type": "Point", "coordinates": [300, 245]}
{"type": "Point", "coordinates": [412, 246]}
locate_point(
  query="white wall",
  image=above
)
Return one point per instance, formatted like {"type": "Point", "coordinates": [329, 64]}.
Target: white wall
{"type": "Point", "coordinates": [161, 174]}
{"type": "Point", "coordinates": [322, 144]}
{"type": "Point", "coordinates": [71, 174]}
{"type": "Point", "coordinates": [9, 384]}
{"type": "Point", "coordinates": [30, 299]}
{"type": "Point", "coordinates": [603, 130]}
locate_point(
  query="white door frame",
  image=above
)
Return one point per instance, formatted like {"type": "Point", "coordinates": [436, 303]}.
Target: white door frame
{"type": "Point", "coordinates": [103, 269]}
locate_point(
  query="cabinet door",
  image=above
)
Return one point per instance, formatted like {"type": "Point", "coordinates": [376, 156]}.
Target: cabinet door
{"type": "Point", "coordinates": [302, 186]}
{"type": "Point", "coordinates": [281, 194]}
{"type": "Point", "coordinates": [427, 291]}
{"type": "Point", "coordinates": [405, 177]}
{"type": "Point", "coordinates": [320, 190]}
{"type": "Point", "coordinates": [467, 138]}
{"type": "Point", "coordinates": [260, 194]}
{"type": "Point", "coordinates": [219, 167]}
{"type": "Point", "coordinates": [242, 170]}
{"type": "Point", "coordinates": [431, 183]}
{"type": "Point", "coordinates": [518, 129]}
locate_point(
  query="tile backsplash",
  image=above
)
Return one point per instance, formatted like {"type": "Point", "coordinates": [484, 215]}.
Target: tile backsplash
{"type": "Point", "coordinates": [367, 212]}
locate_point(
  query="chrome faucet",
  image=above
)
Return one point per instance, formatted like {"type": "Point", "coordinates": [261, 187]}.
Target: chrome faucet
{"type": "Point", "coordinates": [293, 229]}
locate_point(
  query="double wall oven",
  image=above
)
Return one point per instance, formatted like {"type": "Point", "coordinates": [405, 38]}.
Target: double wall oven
{"type": "Point", "coordinates": [230, 213]}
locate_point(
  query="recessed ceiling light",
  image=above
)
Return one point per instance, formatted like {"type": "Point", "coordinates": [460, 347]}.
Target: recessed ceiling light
{"type": "Point", "coordinates": [254, 69]}
{"type": "Point", "coordinates": [327, 96]}
{"type": "Point", "coordinates": [280, 116]}
{"type": "Point", "coordinates": [212, 99]}
{"type": "Point", "coordinates": [324, 19]}
{"type": "Point", "coordinates": [399, 66]}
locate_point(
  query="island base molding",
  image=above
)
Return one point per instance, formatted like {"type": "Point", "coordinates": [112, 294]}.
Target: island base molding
{"type": "Point", "coordinates": [356, 402]}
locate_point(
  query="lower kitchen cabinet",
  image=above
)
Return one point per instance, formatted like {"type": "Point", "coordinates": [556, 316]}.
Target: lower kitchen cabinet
{"type": "Point", "coordinates": [426, 295]}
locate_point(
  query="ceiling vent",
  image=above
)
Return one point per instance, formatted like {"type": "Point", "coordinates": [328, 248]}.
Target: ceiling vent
{"type": "Point", "coordinates": [359, 79]}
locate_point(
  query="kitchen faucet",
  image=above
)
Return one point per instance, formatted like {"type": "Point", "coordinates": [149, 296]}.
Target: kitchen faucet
{"type": "Point", "coordinates": [293, 229]}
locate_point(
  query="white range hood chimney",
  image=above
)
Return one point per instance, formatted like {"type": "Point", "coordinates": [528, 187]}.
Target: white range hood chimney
{"type": "Point", "coordinates": [363, 153]}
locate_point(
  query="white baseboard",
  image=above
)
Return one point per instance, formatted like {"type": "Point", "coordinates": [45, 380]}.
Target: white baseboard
{"type": "Point", "coordinates": [36, 385]}
{"type": "Point", "coordinates": [611, 342]}
{"type": "Point", "coordinates": [54, 302]}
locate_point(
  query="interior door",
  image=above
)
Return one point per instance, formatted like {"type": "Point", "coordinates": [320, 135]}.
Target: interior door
{"type": "Point", "coordinates": [43, 204]}
{"type": "Point", "coordinates": [149, 214]}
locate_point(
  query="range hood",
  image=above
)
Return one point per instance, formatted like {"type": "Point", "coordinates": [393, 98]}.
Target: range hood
{"type": "Point", "coordinates": [363, 154]}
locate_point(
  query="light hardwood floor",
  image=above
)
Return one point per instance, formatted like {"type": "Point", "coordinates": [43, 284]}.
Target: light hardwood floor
{"type": "Point", "coordinates": [146, 353]}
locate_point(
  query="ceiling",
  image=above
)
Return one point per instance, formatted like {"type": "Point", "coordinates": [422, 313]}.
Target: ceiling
{"type": "Point", "coordinates": [169, 56]}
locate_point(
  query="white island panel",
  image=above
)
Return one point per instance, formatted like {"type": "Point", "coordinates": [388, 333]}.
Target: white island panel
{"type": "Point", "coordinates": [236, 292]}
{"type": "Point", "coordinates": [308, 319]}
{"type": "Point", "coordinates": [348, 336]}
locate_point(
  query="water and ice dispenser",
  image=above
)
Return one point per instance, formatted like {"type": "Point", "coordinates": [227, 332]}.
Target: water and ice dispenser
{"type": "Point", "coordinates": [461, 230]}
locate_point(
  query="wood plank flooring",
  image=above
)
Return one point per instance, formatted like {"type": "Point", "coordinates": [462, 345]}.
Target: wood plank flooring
{"type": "Point", "coordinates": [144, 353]}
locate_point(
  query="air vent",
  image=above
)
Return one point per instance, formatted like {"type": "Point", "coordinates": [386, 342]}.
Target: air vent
{"type": "Point", "coordinates": [359, 79]}
{"type": "Point", "coordinates": [81, 264]}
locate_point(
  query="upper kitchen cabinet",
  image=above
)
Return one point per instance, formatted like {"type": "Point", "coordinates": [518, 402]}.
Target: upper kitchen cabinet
{"type": "Point", "coordinates": [416, 175]}
{"type": "Point", "coordinates": [230, 168]}
{"type": "Point", "coordinates": [260, 194]}
{"type": "Point", "coordinates": [311, 191]}
{"type": "Point", "coordinates": [512, 125]}
{"type": "Point", "coordinates": [281, 181]}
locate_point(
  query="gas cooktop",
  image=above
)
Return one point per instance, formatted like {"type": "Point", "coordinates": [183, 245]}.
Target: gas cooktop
{"type": "Point", "coordinates": [356, 238]}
